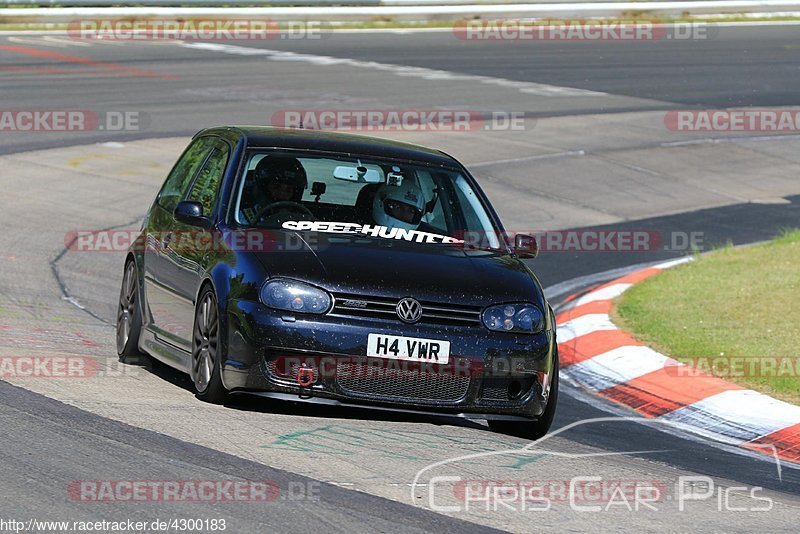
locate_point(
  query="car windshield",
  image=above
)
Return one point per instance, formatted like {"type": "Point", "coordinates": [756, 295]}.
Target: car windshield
{"type": "Point", "coordinates": [351, 195]}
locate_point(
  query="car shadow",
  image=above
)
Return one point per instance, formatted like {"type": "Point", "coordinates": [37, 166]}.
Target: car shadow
{"type": "Point", "coordinates": [254, 403]}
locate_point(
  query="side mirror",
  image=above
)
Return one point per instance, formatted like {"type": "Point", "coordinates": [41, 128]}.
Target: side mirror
{"type": "Point", "coordinates": [526, 246]}
{"type": "Point", "coordinates": [191, 212]}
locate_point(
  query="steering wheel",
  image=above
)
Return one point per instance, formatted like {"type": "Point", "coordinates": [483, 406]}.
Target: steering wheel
{"type": "Point", "coordinates": [286, 205]}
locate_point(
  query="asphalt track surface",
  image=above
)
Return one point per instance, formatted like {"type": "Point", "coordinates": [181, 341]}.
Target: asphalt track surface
{"type": "Point", "coordinates": [722, 67]}
{"type": "Point", "coordinates": [179, 89]}
{"type": "Point", "coordinates": [732, 67]}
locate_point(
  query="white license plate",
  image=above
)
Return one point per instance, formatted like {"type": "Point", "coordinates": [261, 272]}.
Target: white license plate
{"type": "Point", "coordinates": [408, 348]}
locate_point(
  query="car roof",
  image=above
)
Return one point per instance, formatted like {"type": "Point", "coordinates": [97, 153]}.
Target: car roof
{"type": "Point", "coordinates": [315, 140]}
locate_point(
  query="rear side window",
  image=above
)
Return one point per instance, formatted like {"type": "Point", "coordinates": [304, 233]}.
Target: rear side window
{"type": "Point", "coordinates": [207, 183]}
{"type": "Point", "coordinates": [180, 178]}
{"type": "Point", "coordinates": [430, 190]}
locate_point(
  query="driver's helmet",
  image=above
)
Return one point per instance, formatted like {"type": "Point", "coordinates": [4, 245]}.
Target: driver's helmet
{"type": "Point", "coordinates": [399, 206]}
{"type": "Point", "coordinates": [281, 178]}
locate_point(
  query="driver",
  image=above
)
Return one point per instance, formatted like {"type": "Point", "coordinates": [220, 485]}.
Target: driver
{"type": "Point", "coordinates": [275, 179]}
{"type": "Point", "coordinates": [399, 206]}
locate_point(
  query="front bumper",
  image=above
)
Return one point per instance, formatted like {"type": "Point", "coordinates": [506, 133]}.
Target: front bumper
{"type": "Point", "coordinates": [491, 374]}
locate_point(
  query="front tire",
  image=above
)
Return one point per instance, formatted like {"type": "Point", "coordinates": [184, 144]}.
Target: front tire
{"type": "Point", "coordinates": [535, 429]}
{"type": "Point", "coordinates": [206, 354]}
{"type": "Point", "coordinates": [129, 317]}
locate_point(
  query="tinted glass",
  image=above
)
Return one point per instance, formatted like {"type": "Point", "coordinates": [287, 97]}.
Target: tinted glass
{"type": "Point", "coordinates": [208, 179]}
{"type": "Point", "coordinates": [278, 189]}
{"type": "Point", "coordinates": [180, 178]}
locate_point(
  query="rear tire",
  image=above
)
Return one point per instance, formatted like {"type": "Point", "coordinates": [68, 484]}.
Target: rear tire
{"type": "Point", "coordinates": [535, 429]}
{"type": "Point", "coordinates": [206, 354]}
{"type": "Point", "coordinates": [129, 317]}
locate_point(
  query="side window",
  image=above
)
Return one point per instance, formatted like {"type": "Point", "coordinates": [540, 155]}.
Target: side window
{"type": "Point", "coordinates": [436, 217]}
{"type": "Point", "coordinates": [472, 220]}
{"type": "Point", "coordinates": [474, 215]}
{"type": "Point", "coordinates": [207, 183]}
{"type": "Point", "coordinates": [181, 176]}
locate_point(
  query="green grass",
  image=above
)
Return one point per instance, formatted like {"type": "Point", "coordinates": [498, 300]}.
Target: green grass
{"type": "Point", "coordinates": [731, 303]}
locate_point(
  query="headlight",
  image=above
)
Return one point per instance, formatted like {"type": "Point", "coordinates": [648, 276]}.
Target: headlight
{"type": "Point", "coordinates": [295, 297]}
{"type": "Point", "coordinates": [525, 318]}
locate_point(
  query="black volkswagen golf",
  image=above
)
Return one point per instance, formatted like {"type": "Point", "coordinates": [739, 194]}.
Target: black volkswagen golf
{"type": "Point", "coordinates": [339, 269]}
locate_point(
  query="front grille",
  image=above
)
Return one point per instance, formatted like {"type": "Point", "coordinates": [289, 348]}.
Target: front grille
{"type": "Point", "coordinates": [384, 308]}
{"type": "Point", "coordinates": [359, 379]}
{"type": "Point", "coordinates": [286, 368]}
{"type": "Point", "coordinates": [495, 392]}
{"type": "Point", "coordinates": [283, 372]}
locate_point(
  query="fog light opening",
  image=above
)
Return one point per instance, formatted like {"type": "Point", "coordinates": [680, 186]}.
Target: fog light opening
{"type": "Point", "coordinates": [514, 390]}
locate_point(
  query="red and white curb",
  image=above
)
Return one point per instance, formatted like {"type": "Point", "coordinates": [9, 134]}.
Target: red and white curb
{"type": "Point", "coordinates": [603, 359]}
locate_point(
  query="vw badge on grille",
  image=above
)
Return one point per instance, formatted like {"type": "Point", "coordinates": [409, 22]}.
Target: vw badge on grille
{"type": "Point", "coordinates": [409, 310]}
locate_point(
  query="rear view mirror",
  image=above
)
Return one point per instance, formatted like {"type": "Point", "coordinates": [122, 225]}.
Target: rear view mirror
{"type": "Point", "coordinates": [526, 246]}
{"type": "Point", "coordinates": [357, 174]}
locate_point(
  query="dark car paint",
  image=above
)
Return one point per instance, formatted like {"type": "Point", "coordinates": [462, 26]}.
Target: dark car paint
{"type": "Point", "coordinates": [394, 268]}
{"type": "Point", "coordinates": [385, 268]}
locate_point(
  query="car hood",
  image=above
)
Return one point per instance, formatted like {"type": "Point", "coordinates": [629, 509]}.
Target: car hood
{"type": "Point", "coordinates": [391, 268]}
